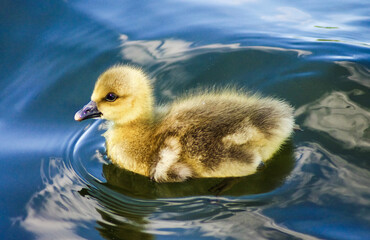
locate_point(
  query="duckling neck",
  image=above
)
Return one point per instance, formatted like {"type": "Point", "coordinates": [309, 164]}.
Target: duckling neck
{"type": "Point", "coordinates": [128, 145]}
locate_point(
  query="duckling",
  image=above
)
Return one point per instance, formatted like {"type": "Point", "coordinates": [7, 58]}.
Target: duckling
{"type": "Point", "coordinates": [224, 133]}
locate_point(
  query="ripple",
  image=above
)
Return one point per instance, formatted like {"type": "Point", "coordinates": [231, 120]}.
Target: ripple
{"type": "Point", "coordinates": [172, 68]}
{"type": "Point", "coordinates": [319, 183]}
{"type": "Point", "coordinates": [71, 200]}
{"type": "Point", "coordinates": [338, 116]}
{"type": "Point", "coordinates": [357, 72]}
{"type": "Point", "coordinates": [58, 210]}
{"type": "Point", "coordinates": [85, 189]}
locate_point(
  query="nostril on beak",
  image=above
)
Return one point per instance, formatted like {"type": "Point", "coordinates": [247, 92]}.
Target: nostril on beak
{"type": "Point", "coordinates": [88, 111]}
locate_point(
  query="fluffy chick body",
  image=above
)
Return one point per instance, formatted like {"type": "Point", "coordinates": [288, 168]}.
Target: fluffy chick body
{"type": "Point", "coordinates": [206, 134]}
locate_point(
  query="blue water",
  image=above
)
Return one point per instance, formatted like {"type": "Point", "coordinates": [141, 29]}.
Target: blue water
{"type": "Point", "coordinates": [56, 182]}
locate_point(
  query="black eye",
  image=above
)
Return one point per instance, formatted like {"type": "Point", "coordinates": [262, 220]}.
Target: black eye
{"type": "Point", "coordinates": [111, 97]}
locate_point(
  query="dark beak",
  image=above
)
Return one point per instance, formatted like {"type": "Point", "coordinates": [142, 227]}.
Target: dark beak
{"type": "Point", "coordinates": [90, 110]}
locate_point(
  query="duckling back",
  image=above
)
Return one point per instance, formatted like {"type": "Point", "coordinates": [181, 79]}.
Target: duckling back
{"type": "Point", "coordinates": [223, 134]}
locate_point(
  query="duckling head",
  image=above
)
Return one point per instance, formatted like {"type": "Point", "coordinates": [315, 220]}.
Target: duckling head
{"type": "Point", "coordinates": [122, 94]}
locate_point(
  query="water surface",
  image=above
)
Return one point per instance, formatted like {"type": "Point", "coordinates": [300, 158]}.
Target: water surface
{"type": "Point", "coordinates": [56, 182]}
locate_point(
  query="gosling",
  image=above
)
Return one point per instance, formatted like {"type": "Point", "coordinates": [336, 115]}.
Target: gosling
{"type": "Point", "coordinates": [207, 134]}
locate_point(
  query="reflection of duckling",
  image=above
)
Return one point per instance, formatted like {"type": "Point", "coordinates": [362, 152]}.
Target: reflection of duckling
{"type": "Point", "coordinates": [211, 134]}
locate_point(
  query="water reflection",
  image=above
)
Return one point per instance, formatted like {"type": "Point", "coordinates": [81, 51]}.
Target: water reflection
{"type": "Point", "coordinates": [289, 14]}
{"type": "Point", "coordinates": [168, 51]}
{"type": "Point", "coordinates": [120, 217]}
{"type": "Point", "coordinates": [357, 73]}
{"type": "Point", "coordinates": [323, 176]}
{"type": "Point", "coordinates": [341, 118]}
{"type": "Point", "coordinates": [66, 205]}
{"type": "Point", "coordinates": [320, 182]}
{"type": "Point", "coordinates": [58, 210]}
{"type": "Point", "coordinates": [111, 228]}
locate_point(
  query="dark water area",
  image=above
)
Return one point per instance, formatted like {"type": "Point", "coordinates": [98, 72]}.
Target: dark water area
{"type": "Point", "coordinates": [56, 182]}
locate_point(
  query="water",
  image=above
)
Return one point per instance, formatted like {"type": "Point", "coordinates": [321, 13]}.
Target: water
{"type": "Point", "coordinates": [56, 182]}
